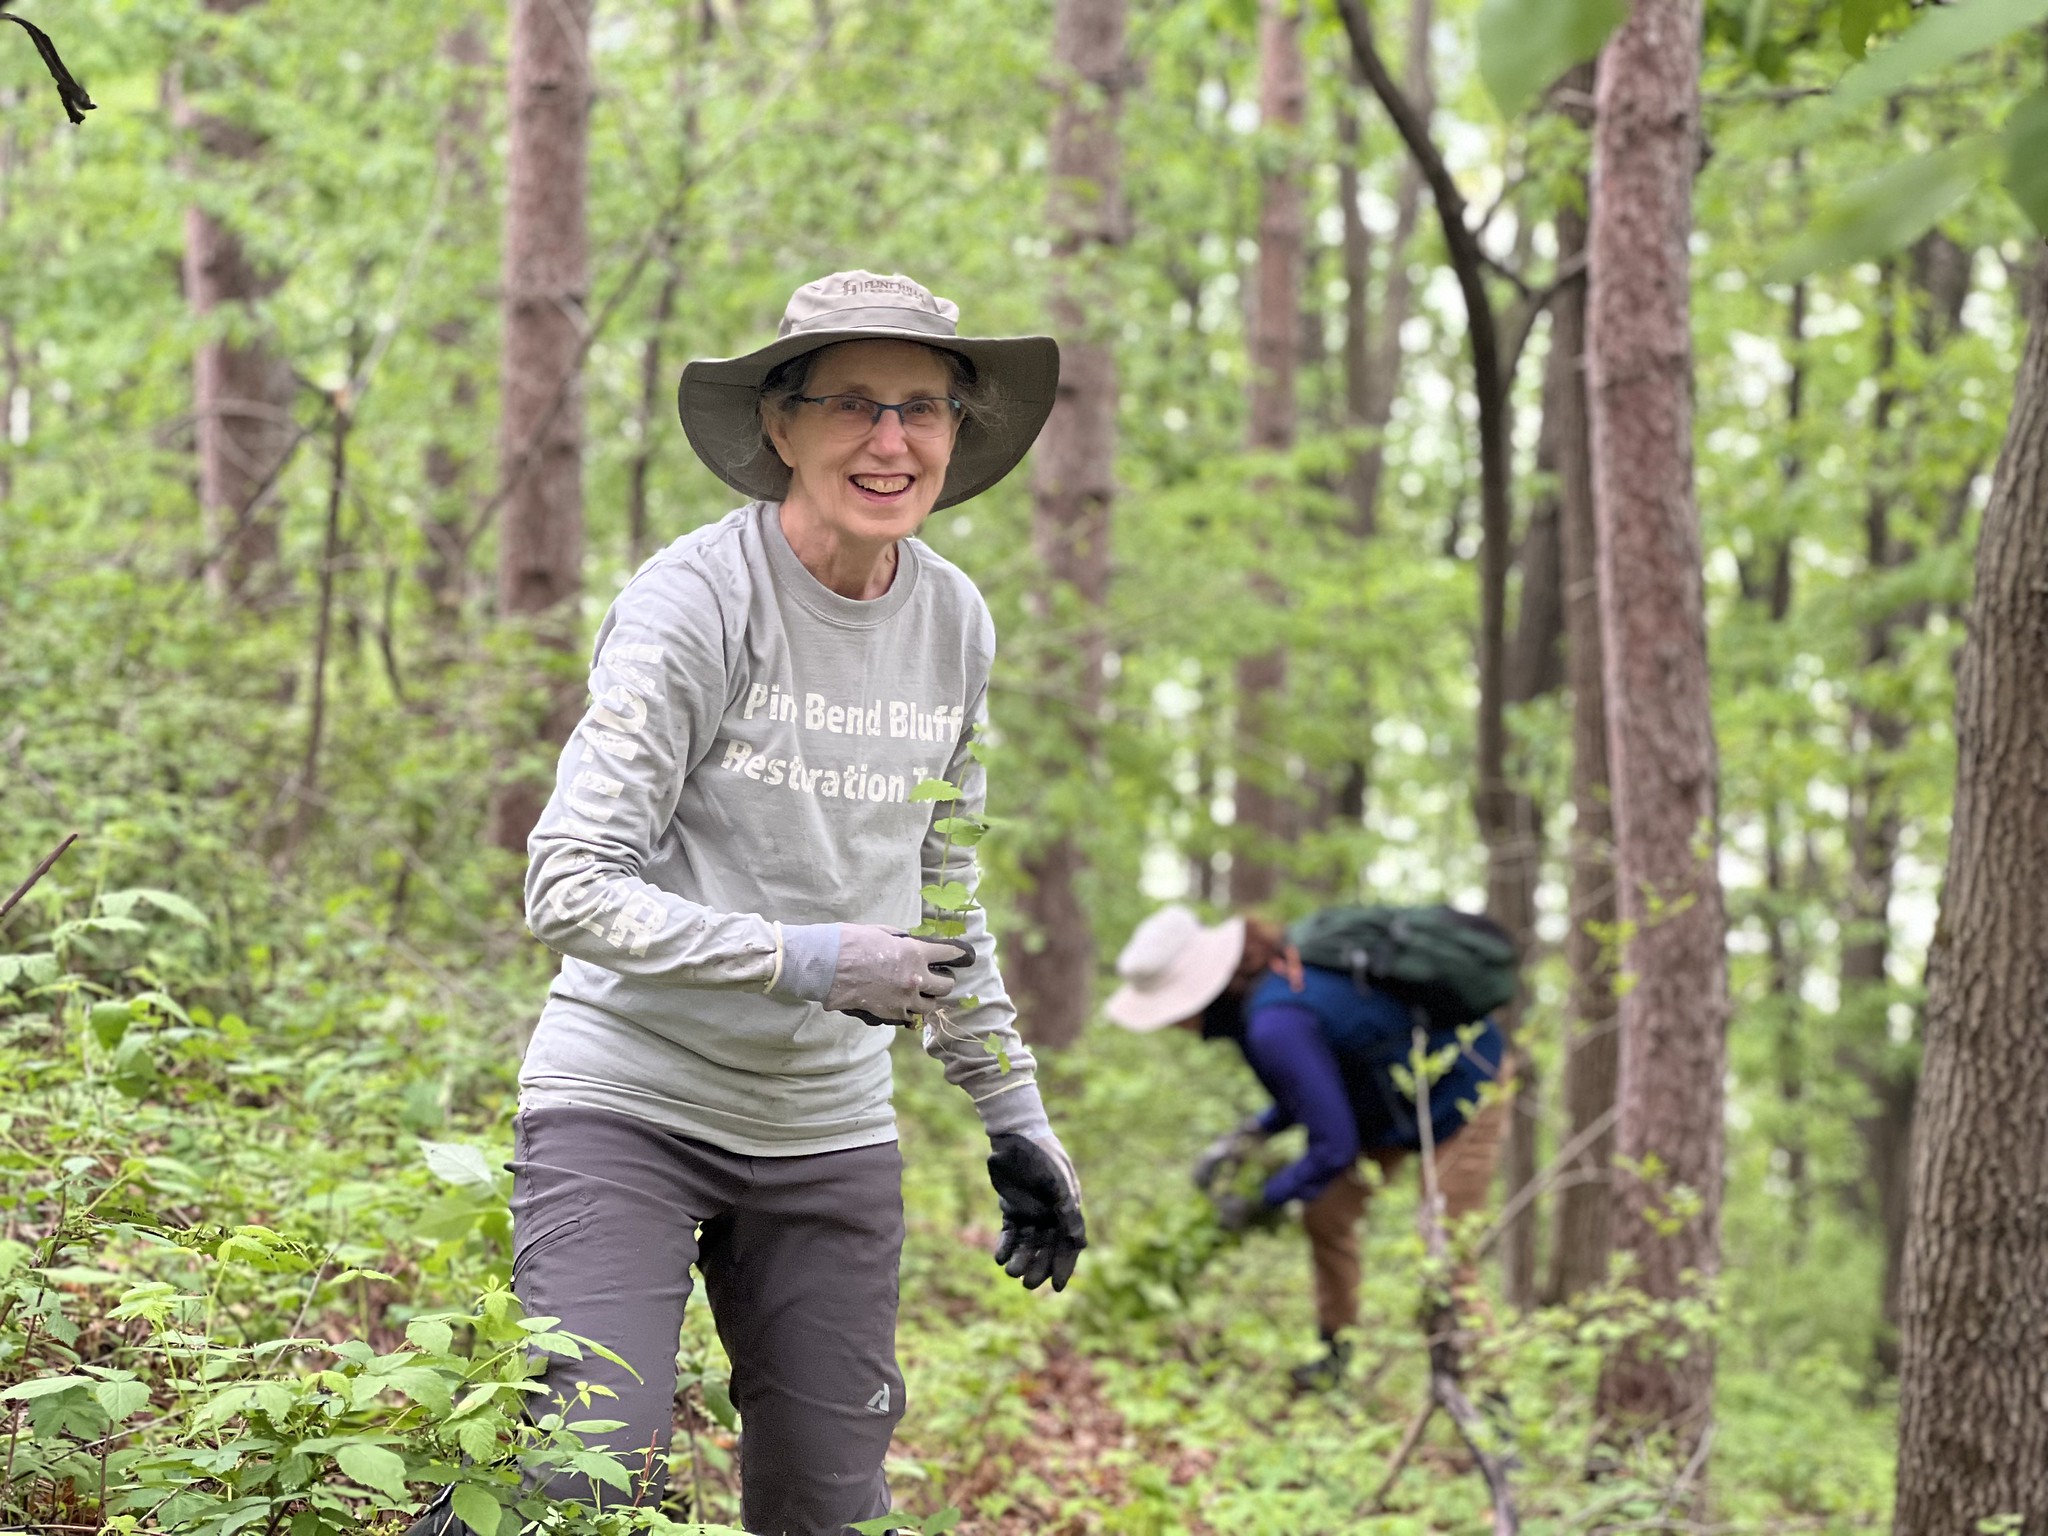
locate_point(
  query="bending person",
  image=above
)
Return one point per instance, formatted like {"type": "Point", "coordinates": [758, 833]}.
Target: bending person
{"type": "Point", "coordinates": [728, 865]}
{"type": "Point", "coordinates": [1324, 1048]}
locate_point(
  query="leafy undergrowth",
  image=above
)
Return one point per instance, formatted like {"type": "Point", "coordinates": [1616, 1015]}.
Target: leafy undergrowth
{"type": "Point", "coordinates": [255, 1246]}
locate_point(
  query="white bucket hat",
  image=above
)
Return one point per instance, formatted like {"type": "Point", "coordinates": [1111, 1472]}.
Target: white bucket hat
{"type": "Point", "coordinates": [719, 399]}
{"type": "Point", "coordinates": [1173, 968]}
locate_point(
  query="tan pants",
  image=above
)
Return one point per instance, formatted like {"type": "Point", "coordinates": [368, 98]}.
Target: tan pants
{"type": "Point", "coordinates": [1464, 1172]}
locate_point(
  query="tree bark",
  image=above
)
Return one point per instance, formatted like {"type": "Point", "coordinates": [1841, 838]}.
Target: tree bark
{"type": "Point", "coordinates": [242, 392]}
{"type": "Point", "coordinates": [463, 151]}
{"type": "Point", "coordinates": [546, 281]}
{"type": "Point", "coordinates": [1582, 1229]}
{"type": "Point", "coordinates": [654, 388]}
{"type": "Point", "coordinates": [1660, 727]}
{"type": "Point", "coordinates": [1939, 277]}
{"type": "Point", "coordinates": [1073, 487]}
{"type": "Point", "coordinates": [1533, 667]}
{"type": "Point", "coordinates": [1261, 803]}
{"type": "Point", "coordinates": [1973, 1436]}
{"type": "Point", "coordinates": [1372, 353]}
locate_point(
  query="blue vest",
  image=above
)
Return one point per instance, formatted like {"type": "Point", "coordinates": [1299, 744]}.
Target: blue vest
{"type": "Point", "coordinates": [1370, 1033]}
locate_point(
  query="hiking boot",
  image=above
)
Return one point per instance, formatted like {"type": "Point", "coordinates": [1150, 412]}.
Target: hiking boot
{"type": "Point", "coordinates": [438, 1518]}
{"type": "Point", "coordinates": [1324, 1374]}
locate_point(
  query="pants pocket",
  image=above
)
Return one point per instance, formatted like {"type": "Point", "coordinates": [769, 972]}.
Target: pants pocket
{"type": "Point", "coordinates": [525, 1250]}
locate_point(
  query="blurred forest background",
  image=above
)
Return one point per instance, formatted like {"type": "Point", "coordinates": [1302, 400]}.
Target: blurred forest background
{"type": "Point", "coordinates": [337, 361]}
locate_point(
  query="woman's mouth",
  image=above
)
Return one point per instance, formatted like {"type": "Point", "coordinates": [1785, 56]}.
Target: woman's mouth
{"type": "Point", "coordinates": [883, 490]}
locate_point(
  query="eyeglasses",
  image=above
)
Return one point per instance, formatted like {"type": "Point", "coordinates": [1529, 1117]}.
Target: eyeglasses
{"type": "Point", "coordinates": [852, 416]}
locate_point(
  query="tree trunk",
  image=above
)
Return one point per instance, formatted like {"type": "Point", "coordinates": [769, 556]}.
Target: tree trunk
{"type": "Point", "coordinates": [1973, 1436]}
{"type": "Point", "coordinates": [1582, 1229]}
{"type": "Point", "coordinates": [463, 152]}
{"type": "Point", "coordinates": [1939, 275]}
{"type": "Point", "coordinates": [654, 387]}
{"type": "Point", "coordinates": [1660, 735]}
{"type": "Point", "coordinates": [1262, 805]}
{"type": "Point", "coordinates": [1782, 937]}
{"type": "Point", "coordinates": [1373, 361]}
{"type": "Point", "coordinates": [242, 392]}
{"type": "Point", "coordinates": [546, 279]}
{"type": "Point", "coordinates": [1372, 344]}
{"type": "Point", "coordinates": [1514, 873]}
{"type": "Point", "coordinates": [1533, 667]}
{"type": "Point", "coordinates": [1073, 486]}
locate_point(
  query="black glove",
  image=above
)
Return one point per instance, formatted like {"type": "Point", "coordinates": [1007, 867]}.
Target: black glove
{"type": "Point", "coordinates": [1232, 1147]}
{"type": "Point", "coordinates": [1240, 1213]}
{"type": "Point", "coordinates": [1043, 1229]}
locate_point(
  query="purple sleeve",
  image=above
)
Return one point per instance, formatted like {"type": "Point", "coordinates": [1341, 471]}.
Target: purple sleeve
{"type": "Point", "coordinates": [1285, 1046]}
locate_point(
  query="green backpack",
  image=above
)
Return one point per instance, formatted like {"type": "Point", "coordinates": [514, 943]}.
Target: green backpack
{"type": "Point", "coordinates": [1456, 967]}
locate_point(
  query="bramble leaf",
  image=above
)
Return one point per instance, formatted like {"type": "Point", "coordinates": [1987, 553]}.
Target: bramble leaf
{"type": "Point", "coordinates": [1526, 44]}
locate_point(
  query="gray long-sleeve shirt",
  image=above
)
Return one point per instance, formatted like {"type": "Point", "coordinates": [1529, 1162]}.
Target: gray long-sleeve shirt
{"type": "Point", "coordinates": [747, 760]}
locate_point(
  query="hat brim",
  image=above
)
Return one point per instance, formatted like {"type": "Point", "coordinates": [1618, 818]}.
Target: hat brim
{"type": "Point", "coordinates": [1200, 973]}
{"type": "Point", "coordinates": [719, 401]}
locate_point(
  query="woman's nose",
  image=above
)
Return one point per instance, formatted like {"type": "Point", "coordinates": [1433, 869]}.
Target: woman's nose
{"type": "Point", "coordinates": [888, 435]}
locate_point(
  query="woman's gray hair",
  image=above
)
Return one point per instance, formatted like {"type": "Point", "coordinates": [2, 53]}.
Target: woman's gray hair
{"type": "Point", "coordinates": [981, 404]}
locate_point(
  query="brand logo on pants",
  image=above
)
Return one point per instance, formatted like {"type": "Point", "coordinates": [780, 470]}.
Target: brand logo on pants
{"type": "Point", "coordinates": [879, 1403]}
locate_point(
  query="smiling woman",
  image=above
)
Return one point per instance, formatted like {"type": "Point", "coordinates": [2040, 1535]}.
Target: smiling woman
{"type": "Point", "coordinates": [867, 438]}
{"type": "Point", "coordinates": [730, 877]}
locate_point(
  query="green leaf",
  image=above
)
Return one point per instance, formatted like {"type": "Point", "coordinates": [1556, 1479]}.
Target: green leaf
{"type": "Point", "coordinates": [475, 1508]}
{"type": "Point", "coordinates": [1885, 212]}
{"type": "Point", "coordinates": [163, 1002]}
{"type": "Point", "coordinates": [433, 1334]}
{"type": "Point", "coordinates": [1524, 45]}
{"type": "Point", "coordinates": [109, 1022]}
{"type": "Point", "coordinates": [1755, 26]}
{"type": "Point", "coordinates": [37, 970]}
{"type": "Point", "coordinates": [121, 1399]}
{"type": "Point", "coordinates": [478, 1438]}
{"type": "Point", "coordinates": [375, 1468]}
{"type": "Point", "coordinates": [459, 1164]}
{"type": "Point", "coordinates": [934, 789]}
{"type": "Point", "coordinates": [275, 1400]}
{"type": "Point", "coordinates": [28, 1391]}
{"type": "Point", "coordinates": [2026, 158]}
{"type": "Point", "coordinates": [122, 903]}
{"type": "Point", "coordinates": [718, 1403]}
{"type": "Point", "coordinates": [951, 896]}
{"type": "Point", "coordinates": [1942, 35]}
{"type": "Point", "coordinates": [1858, 20]}
{"type": "Point", "coordinates": [963, 830]}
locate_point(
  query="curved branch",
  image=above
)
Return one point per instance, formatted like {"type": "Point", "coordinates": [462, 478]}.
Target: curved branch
{"type": "Point", "coordinates": [1468, 263]}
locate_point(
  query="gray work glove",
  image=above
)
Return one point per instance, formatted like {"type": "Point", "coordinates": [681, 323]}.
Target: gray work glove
{"type": "Point", "coordinates": [879, 975]}
{"type": "Point", "coordinates": [1237, 1213]}
{"type": "Point", "coordinates": [1043, 1228]}
{"type": "Point", "coordinates": [1228, 1150]}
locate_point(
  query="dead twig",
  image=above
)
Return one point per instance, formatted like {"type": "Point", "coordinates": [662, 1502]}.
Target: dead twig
{"type": "Point", "coordinates": [69, 91]}
{"type": "Point", "coordinates": [1410, 1438]}
{"type": "Point", "coordinates": [49, 861]}
{"type": "Point", "coordinates": [1440, 1319]}
{"type": "Point", "coordinates": [308, 780]}
{"type": "Point", "coordinates": [1551, 1174]}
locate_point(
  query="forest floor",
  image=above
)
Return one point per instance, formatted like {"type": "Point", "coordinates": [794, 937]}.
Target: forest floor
{"type": "Point", "coordinates": [209, 1146]}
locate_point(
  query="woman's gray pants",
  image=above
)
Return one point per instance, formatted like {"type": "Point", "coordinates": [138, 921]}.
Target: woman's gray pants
{"type": "Point", "coordinates": [799, 1258]}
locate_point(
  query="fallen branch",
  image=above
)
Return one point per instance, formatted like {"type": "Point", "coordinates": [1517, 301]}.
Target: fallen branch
{"type": "Point", "coordinates": [42, 869]}
{"type": "Point", "coordinates": [1440, 1320]}
{"type": "Point", "coordinates": [1550, 1175]}
{"type": "Point", "coordinates": [1412, 1437]}
{"type": "Point", "coordinates": [69, 91]}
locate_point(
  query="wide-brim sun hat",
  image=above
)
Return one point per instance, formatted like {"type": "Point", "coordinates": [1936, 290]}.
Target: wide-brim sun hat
{"type": "Point", "coordinates": [719, 399]}
{"type": "Point", "coordinates": [1174, 966]}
